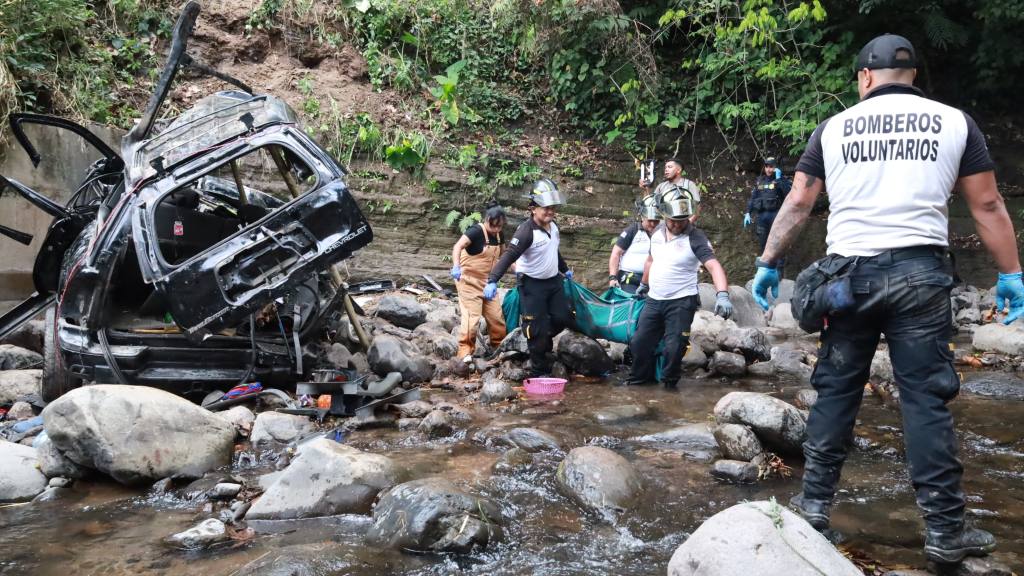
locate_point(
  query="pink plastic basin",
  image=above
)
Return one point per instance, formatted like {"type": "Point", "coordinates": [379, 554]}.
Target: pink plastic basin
{"type": "Point", "coordinates": [544, 386]}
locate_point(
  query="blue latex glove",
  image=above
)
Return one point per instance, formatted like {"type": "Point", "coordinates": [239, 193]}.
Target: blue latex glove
{"type": "Point", "coordinates": [568, 274]}
{"type": "Point", "coordinates": [764, 279]}
{"type": "Point", "coordinates": [778, 173]}
{"type": "Point", "coordinates": [1010, 287]}
{"type": "Point", "coordinates": [746, 220]}
{"type": "Point", "coordinates": [723, 306]}
{"type": "Point", "coordinates": [456, 272]}
{"type": "Point", "coordinates": [490, 290]}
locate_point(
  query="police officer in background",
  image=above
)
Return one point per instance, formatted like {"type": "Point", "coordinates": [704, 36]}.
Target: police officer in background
{"type": "Point", "coordinates": [540, 269]}
{"type": "Point", "coordinates": [632, 247]}
{"type": "Point", "coordinates": [889, 165]}
{"type": "Point", "coordinates": [766, 199]}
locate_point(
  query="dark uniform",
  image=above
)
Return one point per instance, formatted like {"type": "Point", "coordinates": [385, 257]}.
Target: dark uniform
{"type": "Point", "coordinates": [765, 200]}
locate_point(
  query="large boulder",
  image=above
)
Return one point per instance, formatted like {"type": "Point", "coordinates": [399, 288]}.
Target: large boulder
{"type": "Point", "coordinates": [996, 337]}
{"type": "Point", "coordinates": [433, 515]}
{"type": "Point", "coordinates": [15, 384]}
{"type": "Point", "coordinates": [402, 311]}
{"type": "Point", "coordinates": [705, 328]}
{"type": "Point", "coordinates": [780, 426]}
{"type": "Point", "coordinates": [433, 339]}
{"type": "Point", "coordinates": [326, 478]}
{"type": "Point", "coordinates": [135, 433]}
{"type": "Point", "coordinates": [790, 361]}
{"type": "Point", "coordinates": [337, 355]}
{"type": "Point", "coordinates": [18, 358]}
{"type": "Point", "coordinates": [750, 342]}
{"type": "Point", "coordinates": [277, 427]}
{"type": "Point", "coordinates": [390, 354]}
{"type": "Point", "coordinates": [241, 418]}
{"type": "Point", "coordinates": [532, 440]}
{"type": "Point", "coordinates": [514, 342]}
{"type": "Point", "coordinates": [737, 442]}
{"type": "Point", "coordinates": [781, 317]}
{"type": "Point", "coordinates": [598, 478]}
{"type": "Point", "coordinates": [52, 463]}
{"type": "Point", "coordinates": [745, 312]}
{"type": "Point", "coordinates": [582, 354]}
{"type": "Point", "coordinates": [495, 388]}
{"type": "Point", "coordinates": [443, 312]}
{"type": "Point", "coordinates": [20, 478]}
{"type": "Point", "coordinates": [728, 364]}
{"type": "Point", "coordinates": [772, 541]}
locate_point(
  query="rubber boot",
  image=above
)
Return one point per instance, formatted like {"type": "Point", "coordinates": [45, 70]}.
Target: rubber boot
{"type": "Point", "coordinates": [815, 512]}
{"type": "Point", "coordinates": [953, 547]}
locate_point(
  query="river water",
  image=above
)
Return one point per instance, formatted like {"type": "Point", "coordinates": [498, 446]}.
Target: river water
{"type": "Point", "coordinates": [107, 529]}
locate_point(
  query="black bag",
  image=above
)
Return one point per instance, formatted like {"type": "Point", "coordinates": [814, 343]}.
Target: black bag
{"type": "Point", "coordinates": [822, 289]}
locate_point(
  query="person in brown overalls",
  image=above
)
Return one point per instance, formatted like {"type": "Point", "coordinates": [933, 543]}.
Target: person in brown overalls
{"type": "Point", "coordinates": [473, 256]}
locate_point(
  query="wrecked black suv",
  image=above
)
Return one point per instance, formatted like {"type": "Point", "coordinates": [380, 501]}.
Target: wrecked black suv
{"type": "Point", "coordinates": [200, 256]}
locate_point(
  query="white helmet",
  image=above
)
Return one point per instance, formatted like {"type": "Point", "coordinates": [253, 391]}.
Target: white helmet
{"type": "Point", "coordinates": [647, 208]}
{"type": "Point", "coordinates": [545, 193]}
{"type": "Point", "coordinates": [676, 204]}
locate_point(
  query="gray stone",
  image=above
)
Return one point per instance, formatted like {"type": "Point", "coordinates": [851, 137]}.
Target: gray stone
{"type": "Point", "coordinates": [617, 352]}
{"type": "Point", "coordinates": [360, 363]}
{"type": "Point", "coordinates": [414, 408]}
{"type": "Point", "coordinates": [772, 541]}
{"type": "Point", "coordinates": [326, 478]}
{"type": "Point", "coordinates": [781, 317]}
{"type": "Point", "coordinates": [389, 354]}
{"type": "Point", "coordinates": [778, 425]}
{"type": "Point", "coordinates": [695, 436]}
{"type": "Point", "coordinates": [225, 491]}
{"type": "Point", "coordinates": [434, 339]}
{"type": "Point", "coordinates": [58, 482]}
{"type": "Point", "coordinates": [705, 330]}
{"type": "Point", "coordinates": [514, 342]}
{"type": "Point", "coordinates": [532, 440]}
{"type": "Point", "coordinates": [402, 311]}
{"type": "Point", "coordinates": [582, 354]}
{"type": "Point", "coordinates": [51, 493]}
{"type": "Point", "coordinates": [20, 478]}
{"type": "Point", "coordinates": [728, 364]}
{"type": "Point", "coordinates": [620, 414]}
{"type": "Point", "coordinates": [338, 356]}
{"type": "Point", "coordinates": [791, 362]}
{"type": "Point", "coordinates": [512, 460]}
{"type": "Point", "coordinates": [278, 427]}
{"type": "Point", "coordinates": [806, 398]}
{"type": "Point", "coordinates": [447, 315]}
{"type": "Point", "coordinates": [746, 312]}
{"type": "Point", "coordinates": [433, 515]}
{"type": "Point", "coordinates": [598, 478]}
{"type": "Point", "coordinates": [15, 384]}
{"type": "Point", "coordinates": [205, 534]}
{"type": "Point", "coordinates": [18, 358]}
{"type": "Point", "coordinates": [559, 370]}
{"type": "Point", "coordinates": [694, 357]}
{"type": "Point", "coordinates": [986, 566]}
{"type": "Point", "coordinates": [968, 316]}
{"type": "Point", "coordinates": [994, 384]}
{"type": "Point", "coordinates": [456, 412]}
{"type": "Point", "coordinates": [21, 411]}
{"type": "Point", "coordinates": [28, 336]}
{"type": "Point", "coordinates": [737, 471]}
{"type": "Point", "coordinates": [436, 424]}
{"type": "Point", "coordinates": [513, 371]}
{"type": "Point", "coordinates": [240, 417]}
{"type": "Point", "coordinates": [737, 442]}
{"type": "Point", "coordinates": [750, 342]}
{"type": "Point", "coordinates": [408, 423]}
{"type": "Point", "coordinates": [52, 463]}
{"type": "Point", "coordinates": [881, 366]}
{"type": "Point", "coordinates": [136, 434]}
{"type": "Point", "coordinates": [996, 337]}
{"type": "Point", "coordinates": [764, 369]}
{"type": "Point", "coordinates": [495, 389]}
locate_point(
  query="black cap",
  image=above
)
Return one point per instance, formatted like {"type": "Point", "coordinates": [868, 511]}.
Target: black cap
{"type": "Point", "coordinates": [882, 53]}
{"type": "Point", "coordinates": [771, 161]}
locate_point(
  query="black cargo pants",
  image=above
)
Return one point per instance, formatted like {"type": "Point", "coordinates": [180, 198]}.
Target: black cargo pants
{"type": "Point", "coordinates": [667, 321]}
{"type": "Point", "coordinates": [903, 294]}
{"type": "Point", "coordinates": [545, 312]}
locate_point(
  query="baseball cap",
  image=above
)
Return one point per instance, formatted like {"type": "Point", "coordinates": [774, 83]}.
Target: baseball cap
{"type": "Point", "coordinates": [881, 53]}
{"type": "Point", "coordinates": [771, 161]}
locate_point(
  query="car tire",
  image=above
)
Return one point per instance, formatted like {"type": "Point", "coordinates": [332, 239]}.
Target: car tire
{"type": "Point", "coordinates": [56, 381]}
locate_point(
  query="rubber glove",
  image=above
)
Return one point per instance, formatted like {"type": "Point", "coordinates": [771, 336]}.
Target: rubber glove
{"type": "Point", "coordinates": [613, 282]}
{"type": "Point", "coordinates": [490, 290]}
{"type": "Point", "coordinates": [641, 291]}
{"type": "Point", "coordinates": [456, 272]}
{"type": "Point", "coordinates": [723, 306]}
{"type": "Point", "coordinates": [568, 274]}
{"type": "Point", "coordinates": [746, 220]}
{"type": "Point", "coordinates": [778, 173]}
{"type": "Point", "coordinates": [1010, 288]}
{"type": "Point", "coordinates": [765, 278]}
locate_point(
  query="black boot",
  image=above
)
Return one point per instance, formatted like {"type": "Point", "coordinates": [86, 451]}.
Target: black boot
{"type": "Point", "coordinates": [953, 547]}
{"type": "Point", "coordinates": [815, 512]}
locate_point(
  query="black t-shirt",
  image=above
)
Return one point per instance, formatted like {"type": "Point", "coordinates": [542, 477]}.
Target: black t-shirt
{"type": "Point", "coordinates": [475, 233]}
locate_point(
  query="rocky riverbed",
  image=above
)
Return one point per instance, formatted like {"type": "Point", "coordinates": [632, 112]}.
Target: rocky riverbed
{"type": "Point", "coordinates": [478, 478]}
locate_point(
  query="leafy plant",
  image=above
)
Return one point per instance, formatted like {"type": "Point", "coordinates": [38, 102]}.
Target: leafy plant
{"type": "Point", "coordinates": [409, 152]}
{"type": "Point", "coordinates": [447, 96]}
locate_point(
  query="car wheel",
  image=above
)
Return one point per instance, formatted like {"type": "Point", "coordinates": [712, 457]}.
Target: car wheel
{"type": "Point", "coordinates": [56, 380]}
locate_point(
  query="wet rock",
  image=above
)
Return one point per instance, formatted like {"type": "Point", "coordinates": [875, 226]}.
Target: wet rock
{"type": "Point", "coordinates": [996, 337]}
{"type": "Point", "coordinates": [135, 433]}
{"type": "Point", "coordinates": [402, 311]}
{"type": "Point", "coordinates": [15, 384]}
{"type": "Point", "coordinates": [598, 478]}
{"type": "Point", "coordinates": [995, 384]}
{"type": "Point", "coordinates": [694, 436]}
{"type": "Point", "coordinates": [225, 490]}
{"type": "Point", "coordinates": [20, 478]}
{"type": "Point", "coordinates": [326, 478]}
{"type": "Point", "coordinates": [205, 534]}
{"type": "Point", "coordinates": [777, 424]}
{"type": "Point", "coordinates": [480, 365]}
{"type": "Point", "coordinates": [51, 493]}
{"type": "Point", "coordinates": [433, 515]}
{"type": "Point", "coordinates": [728, 364]}
{"type": "Point", "coordinates": [806, 398]}
{"type": "Point", "coordinates": [436, 424]}
{"type": "Point", "coordinates": [513, 371]}
{"type": "Point", "coordinates": [338, 356]}
{"type": "Point", "coordinates": [750, 342]}
{"type": "Point", "coordinates": [389, 354]}
{"type": "Point", "coordinates": [791, 362]}
{"type": "Point", "coordinates": [17, 358]}
{"type": "Point", "coordinates": [455, 412]}
{"type": "Point", "coordinates": [52, 463]}
{"type": "Point", "coordinates": [738, 471]}
{"type": "Point", "coordinates": [781, 317]}
{"type": "Point", "coordinates": [240, 417]}
{"type": "Point", "coordinates": [515, 342]}
{"type": "Point", "coordinates": [28, 336]}
{"type": "Point", "coordinates": [773, 541]}
{"type": "Point", "coordinates": [582, 354]}
{"type": "Point", "coordinates": [881, 366]}
{"type": "Point", "coordinates": [617, 352]}
{"type": "Point", "coordinates": [513, 459]}
{"type": "Point", "coordinates": [620, 414]}
{"type": "Point", "coordinates": [434, 339]}
{"type": "Point", "coordinates": [446, 316]}
{"type": "Point", "coordinates": [532, 440]}
{"type": "Point", "coordinates": [21, 411]}
{"type": "Point", "coordinates": [968, 316]}
{"type": "Point", "coordinates": [494, 389]}
{"type": "Point", "coordinates": [746, 312]}
{"type": "Point", "coordinates": [986, 566]}
{"type": "Point", "coordinates": [408, 423]}
{"type": "Point", "coordinates": [278, 427]}
{"type": "Point", "coordinates": [162, 486]}
{"type": "Point", "coordinates": [694, 358]}
{"type": "Point", "coordinates": [763, 369]}
{"type": "Point", "coordinates": [414, 409]}
{"type": "Point", "coordinates": [705, 329]}
{"type": "Point", "coordinates": [737, 442]}
{"type": "Point", "coordinates": [58, 482]}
